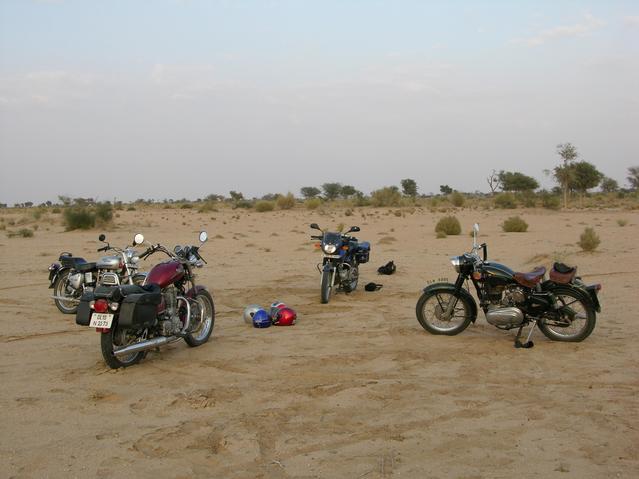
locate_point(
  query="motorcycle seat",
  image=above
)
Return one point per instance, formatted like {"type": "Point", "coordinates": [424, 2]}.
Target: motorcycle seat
{"type": "Point", "coordinates": [530, 280]}
{"type": "Point", "coordinates": [561, 273]}
{"type": "Point", "coordinates": [84, 267]}
{"type": "Point", "coordinates": [116, 293]}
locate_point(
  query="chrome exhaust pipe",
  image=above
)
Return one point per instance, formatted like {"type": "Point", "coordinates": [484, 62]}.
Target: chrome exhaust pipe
{"type": "Point", "coordinates": [144, 345]}
{"type": "Point", "coordinates": [64, 298]}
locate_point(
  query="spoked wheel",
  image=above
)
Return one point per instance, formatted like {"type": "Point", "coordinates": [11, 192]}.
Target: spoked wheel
{"type": "Point", "coordinates": [432, 314]}
{"type": "Point", "coordinates": [61, 289]}
{"type": "Point", "coordinates": [326, 287]}
{"type": "Point", "coordinates": [202, 319]}
{"type": "Point", "coordinates": [353, 278]}
{"type": "Point", "coordinates": [573, 321]}
{"type": "Point", "coordinates": [117, 338]}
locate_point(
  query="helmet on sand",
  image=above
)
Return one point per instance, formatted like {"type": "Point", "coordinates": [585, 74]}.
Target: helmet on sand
{"type": "Point", "coordinates": [261, 319]}
{"type": "Point", "coordinates": [249, 311]}
{"type": "Point", "coordinates": [275, 307]}
{"type": "Point", "coordinates": [285, 317]}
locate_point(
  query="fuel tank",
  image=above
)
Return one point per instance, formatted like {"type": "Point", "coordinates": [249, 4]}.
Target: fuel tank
{"type": "Point", "coordinates": [166, 273]}
{"type": "Point", "coordinates": [109, 262]}
{"type": "Point", "coordinates": [496, 274]}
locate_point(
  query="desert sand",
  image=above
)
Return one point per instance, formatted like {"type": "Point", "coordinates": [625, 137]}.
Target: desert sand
{"type": "Point", "coordinates": [357, 389]}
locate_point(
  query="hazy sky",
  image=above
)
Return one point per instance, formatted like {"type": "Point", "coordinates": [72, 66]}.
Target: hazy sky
{"type": "Point", "coordinates": [169, 99]}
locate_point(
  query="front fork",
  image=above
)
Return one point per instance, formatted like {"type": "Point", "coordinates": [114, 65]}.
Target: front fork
{"type": "Point", "coordinates": [450, 309]}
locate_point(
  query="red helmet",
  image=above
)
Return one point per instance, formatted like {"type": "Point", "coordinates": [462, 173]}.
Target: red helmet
{"type": "Point", "coordinates": [285, 317]}
{"type": "Point", "coordinates": [275, 307]}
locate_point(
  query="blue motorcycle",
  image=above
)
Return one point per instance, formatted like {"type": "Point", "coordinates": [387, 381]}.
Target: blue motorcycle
{"type": "Point", "coordinates": [343, 254]}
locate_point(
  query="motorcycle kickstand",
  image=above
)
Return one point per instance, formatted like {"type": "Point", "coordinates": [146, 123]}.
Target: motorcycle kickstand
{"type": "Point", "coordinates": [528, 343]}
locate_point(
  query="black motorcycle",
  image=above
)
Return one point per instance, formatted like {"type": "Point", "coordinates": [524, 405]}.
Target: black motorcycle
{"type": "Point", "coordinates": [563, 307]}
{"type": "Point", "coordinates": [342, 256]}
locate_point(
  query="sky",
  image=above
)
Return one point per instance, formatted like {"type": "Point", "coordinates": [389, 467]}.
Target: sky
{"type": "Point", "coordinates": [159, 99]}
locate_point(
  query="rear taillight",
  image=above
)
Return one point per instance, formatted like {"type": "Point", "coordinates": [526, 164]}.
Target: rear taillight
{"type": "Point", "coordinates": [101, 306]}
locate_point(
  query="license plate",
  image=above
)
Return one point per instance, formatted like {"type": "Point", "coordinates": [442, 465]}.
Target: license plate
{"type": "Point", "coordinates": [334, 256]}
{"type": "Point", "coordinates": [101, 320]}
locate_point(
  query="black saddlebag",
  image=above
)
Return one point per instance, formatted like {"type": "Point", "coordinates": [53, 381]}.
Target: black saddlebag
{"type": "Point", "coordinates": [363, 252]}
{"type": "Point", "coordinates": [139, 310]}
{"type": "Point", "coordinates": [83, 314]}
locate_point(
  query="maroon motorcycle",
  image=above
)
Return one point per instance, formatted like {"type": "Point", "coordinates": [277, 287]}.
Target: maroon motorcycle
{"type": "Point", "coordinates": [169, 306]}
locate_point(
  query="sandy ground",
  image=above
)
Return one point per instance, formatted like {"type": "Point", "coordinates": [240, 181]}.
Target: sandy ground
{"type": "Point", "coordinates": [357, 389]}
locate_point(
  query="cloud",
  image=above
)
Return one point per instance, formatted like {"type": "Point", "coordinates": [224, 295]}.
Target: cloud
{"type": "Point", "coordinates": [589, 24]}
{"type": "Point", "coordinates": [631, 21]}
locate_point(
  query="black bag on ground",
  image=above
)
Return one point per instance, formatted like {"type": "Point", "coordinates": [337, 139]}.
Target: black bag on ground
{"type": "Point", "coordinates": [388, 268]}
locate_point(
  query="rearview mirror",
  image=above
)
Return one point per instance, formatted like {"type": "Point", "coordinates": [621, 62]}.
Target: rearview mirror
{"type": "Point", "coordinates": [203, 236]}
{"type": "Point", "coordinates": [138, 239]}
{"type": "Point", "coordinates": [101, 237]}
{"type": "Point", "coordinates": [476, 228]}
{"type": "Point", "coordinates": [354, 229]}
{"type": "Point", "coordinates": [315, 226]}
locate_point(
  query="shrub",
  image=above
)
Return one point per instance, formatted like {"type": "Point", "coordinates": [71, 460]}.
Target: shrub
{"type": "Point", "coordinates": [186, 206]}
{"type": "Point", "coordinates": [457, 199]}
{"type": "Point", "coordinates": [622, 223]}
{"type": "Point", "coordinates": [56, 211]}
{"type": "Point", "coordinates": [103, 213]}
{"type": "Point", "coordinates": [312, 203]}
{"type": "Point", "coordinates": [505, 201]}
{"type": "Point", "coordinates": [242, 203]}
{"type": "Point", "coordinates": [130, 208]}
{"type": "Point", "coordinates": [286, 202]}
{"type": "Point", "coordinates": [23, 232]}
{"type": "Point", "coordinates": [78, 218]}
{"type": "Point", "coordinates": [528, 199]}
{"type": "Point", "coordinates": [514, 224]}
{"type": "Point", "coordinates": [549, 201]}
{"type": "Point", "coordinates": [262, 206]}
{"type": "Point", "coordinates": [388, 196]}
{"type": "Point", "coordinates": [207, 207]}
{"type": "Point", "coordinates": [589, 240]}
{"type": "Point", "coordinates": [440, 234]}
{"type": "Point", "coordinates": [448, 225]}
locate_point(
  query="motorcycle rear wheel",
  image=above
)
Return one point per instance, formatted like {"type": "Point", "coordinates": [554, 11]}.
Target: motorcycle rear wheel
{"type": "Point", "coordinates": [431, 307]}
{"type": "Point", "coordinates": [206, 320]}
{"type": "Point", "coordinates": [579, 315]}
{"type": "Point", "coordinates": [118, 338]}
{"type": "Point", "coordinates": [60, 290]}
{"type": "Point", "coordinates": [326, 287]}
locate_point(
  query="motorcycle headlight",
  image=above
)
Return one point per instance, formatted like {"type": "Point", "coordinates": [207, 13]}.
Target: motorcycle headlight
{"type": "Point", "coordinates": [456, 262]}
{"type": "Point", "coordinates": [329, 248]}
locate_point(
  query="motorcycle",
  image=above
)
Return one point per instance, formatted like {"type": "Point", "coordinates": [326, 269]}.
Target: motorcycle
{"type": "Point", "coordinates": [73, 276]}
{"type": "Point", "coordinates": [563, 307]}
{"type": "Point", "coordinates": [169, 306]}
{"type": "Point", "coordinates": [342, 256]}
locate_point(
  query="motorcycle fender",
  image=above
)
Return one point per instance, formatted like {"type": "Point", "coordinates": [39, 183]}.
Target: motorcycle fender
{"type": "Point", "coordinates": [462, 292]}
{"type": "Point", "coordinates": [54, 270]}
{"type": "Point", "coordinates": [328, 267]}
{"type": "Point", "coordinates": [582, 292]}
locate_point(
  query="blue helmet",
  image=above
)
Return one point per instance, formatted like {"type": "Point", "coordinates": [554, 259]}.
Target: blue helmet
{"type": "Point", "coordinates": [261, 319]}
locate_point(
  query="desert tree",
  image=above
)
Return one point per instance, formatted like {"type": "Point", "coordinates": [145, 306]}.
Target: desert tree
{"type": "Point", "coordinates": [585, 176]}
{"type": "Point", "coordinates": [445, 189]}
{"type": "Point", "coordinates": [493, 181]}
{"type": "Point", "coordinates": [515, 181]}
{"type": "Point", "coordinates": [347, 191]}
{"type": "Point", "coordinates": [409, 187]}
{"type": "Point", "coordinates": [609, 185]}
{"type": "Point", "coordinates": [563, 173]}
{"type": "Point", "coordinates": [332, 190]}
{"type": "Point", "coordinates": [633, 177]}
{"type": "Point", "coordinates": [310, 192]}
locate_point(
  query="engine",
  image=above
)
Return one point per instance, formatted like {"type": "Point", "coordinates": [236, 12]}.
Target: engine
{"type": "Point", "coordinates": [504, 307]}
{"type": "Point", "coordinates": [169, 320]}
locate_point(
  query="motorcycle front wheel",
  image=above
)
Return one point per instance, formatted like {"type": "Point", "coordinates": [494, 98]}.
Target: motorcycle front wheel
{"type": "Point", "coordinates": [117, 338]}
{"type": "Point", "coordinates": [573, 321]}
{"type": "Point", "coordinates": [326, 287]}
{"type": "Point", "coordinates": [431, 309]}
{"type": "Point", "coordinates": [204, 317]}
{"type": "Point", "coordinates": [60, 290]}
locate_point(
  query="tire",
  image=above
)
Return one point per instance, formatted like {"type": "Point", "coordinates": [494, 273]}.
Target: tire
{"type": "Point", "coordinates": [60, 289]}
{"type": "Point", "coordinates": [430, 309]}
{"type": "Point", "coordinates": [575, 320]}
{"type": "Point", "coordinates": [326, 287]}
{"type": "Point", "coordinates": [118, 337]}
{"type": "Point", "coordinates": [206, 319]}
{"type": "Point", "coordinates": [352, 285]}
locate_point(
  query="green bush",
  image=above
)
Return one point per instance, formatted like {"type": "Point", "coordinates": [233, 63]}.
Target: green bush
{"type": "Point", "coordinates": [78, 218]}
{"type": "Point", "coordinates": [448, 225]}
{"type": "Point", "coordinates": [550, 201]}
{"type": "Point", "coordinates": [312, 203]}
{"type": "Point", "coordinates": [263, 206]}
{"type": "Point", "coordinates": [505, 201]}
{"type": "Point", "coordinates": [527, 199]}
{"type": "Point", "coordinates": [589, 240]}
{"type": "Point", "coordinates": [130, 208]}
{"type": "Point", "coordinates": [457, 199]}
{"type": "Point", "coordinates": [514, 224]}
{"type": "Point", "coordinates": [622, 222]}
{"type": "Point", "coordinates": [244, 204]}
{"type": "Point", "coordinates": [388, 196]}
{"type": "Point", "coordinates": [23, 232]}
{"type": "Point", "coordinates": [285, 202]}
{"type": "Point", "coordinates": [56, 211]}
{"type": "Point", "coordinates": [103, 213]}
{"type": "Point", "coordinates": [207, 207]}
{"type": "Point", "coordinates": [186, 206]}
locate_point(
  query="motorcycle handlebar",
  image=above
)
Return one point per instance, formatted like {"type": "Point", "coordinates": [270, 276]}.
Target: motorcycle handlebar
{"type": "Point", "coordinates": [104, 248]}
{"type": "Point", "coordinates": [485, 248]}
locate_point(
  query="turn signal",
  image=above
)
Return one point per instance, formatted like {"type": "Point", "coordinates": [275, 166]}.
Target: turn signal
{"type": "Point", "coordinates": [101, 306]}
{"type": "Point", "coordinates": [317, 245]}
{"type": "Point", "coordinates": [476, 275]}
